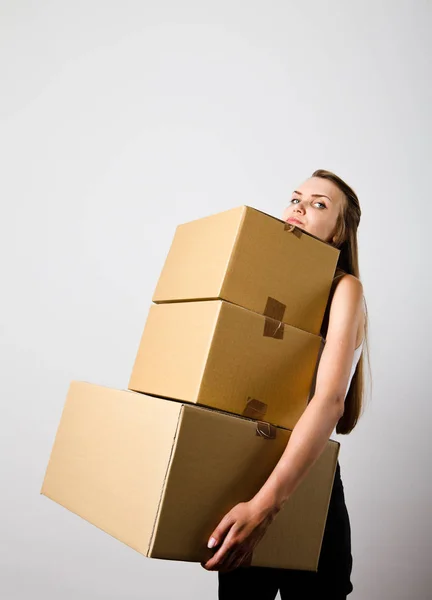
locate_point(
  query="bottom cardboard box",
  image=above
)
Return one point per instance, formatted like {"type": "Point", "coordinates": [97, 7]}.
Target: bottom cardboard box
{"type": "Point", "coordinates": [159, 475]}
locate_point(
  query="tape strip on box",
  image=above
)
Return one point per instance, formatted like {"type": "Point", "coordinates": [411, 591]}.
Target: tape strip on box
{"type": "Point", "coordinates": [274, 312]}
{"type": "Point", "coordinates": [255, 409]}
{"type": "Point", "coordinates": [266, 430]}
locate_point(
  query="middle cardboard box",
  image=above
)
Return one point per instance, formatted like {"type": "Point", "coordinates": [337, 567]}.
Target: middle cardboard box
{"type": "Point", "coordinates": [221, 355]}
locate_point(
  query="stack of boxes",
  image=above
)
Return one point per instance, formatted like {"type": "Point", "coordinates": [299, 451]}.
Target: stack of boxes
{"type": "Point", "coordinates": [223, 372]}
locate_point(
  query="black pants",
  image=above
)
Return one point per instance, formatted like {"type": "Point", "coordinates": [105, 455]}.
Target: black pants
{"type": "Point", "coordinates": [332, 580]}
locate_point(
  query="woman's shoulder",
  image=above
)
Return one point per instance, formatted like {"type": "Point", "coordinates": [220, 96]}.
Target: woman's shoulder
{"type": "Point", "coordinates": [347, 285]}
{"type": "Point", "coordinates": [346, 296]}
{"type": "Point", "coordinates": [348, 306]}
{"type": "Point", "coordinates": [339, 273]}
{"type": "Point", "coordinates": [351, 283]}
{"type": "Point", "coordinates": [346, 300]}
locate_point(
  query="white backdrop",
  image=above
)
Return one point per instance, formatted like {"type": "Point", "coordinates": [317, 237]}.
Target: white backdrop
{"type": "Point", "coordinates": [120, 120]}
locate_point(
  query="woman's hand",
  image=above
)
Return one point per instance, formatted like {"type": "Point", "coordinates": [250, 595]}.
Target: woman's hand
{"type": "Point", "coordinates": [237, 535]}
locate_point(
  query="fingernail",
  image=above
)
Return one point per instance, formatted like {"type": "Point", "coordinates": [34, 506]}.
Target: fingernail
{"type": "Point", "coordinates": [211, 543]}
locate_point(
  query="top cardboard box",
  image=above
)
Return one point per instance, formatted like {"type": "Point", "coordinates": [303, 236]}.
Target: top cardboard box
{"type": "Point", "coordinates": [254, 260]}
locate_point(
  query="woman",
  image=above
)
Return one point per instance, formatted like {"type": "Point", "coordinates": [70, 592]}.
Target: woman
{"type": "Point", "coordinates": [328, 208]}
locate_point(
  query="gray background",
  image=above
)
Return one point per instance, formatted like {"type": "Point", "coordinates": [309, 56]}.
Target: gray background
{"type": "Point", "coordinates": [120, 120]}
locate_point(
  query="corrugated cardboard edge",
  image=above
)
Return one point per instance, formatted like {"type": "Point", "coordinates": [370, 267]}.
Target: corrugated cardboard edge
{"type": "Point", "coordinates": [234, 248]}
{"type": "Point", "coordinates": [163, 490]}
{"type": "Point", "coordinates": [212, 336]}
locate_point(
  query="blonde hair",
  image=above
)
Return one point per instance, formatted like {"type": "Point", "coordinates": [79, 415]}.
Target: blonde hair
{"type": "Point", "coordinates": [345, 239]}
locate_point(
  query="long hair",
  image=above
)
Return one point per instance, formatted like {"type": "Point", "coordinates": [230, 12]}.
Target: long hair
{"type": "Point", "coordinates": [345, 239]}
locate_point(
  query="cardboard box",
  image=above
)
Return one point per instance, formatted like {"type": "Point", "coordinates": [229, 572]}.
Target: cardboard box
{"type": "Point", "coordinates": [223, 356]}
{"type": "Point", "coordinates": [254, 260]}
{"type": "Point", "coordinates": [159, 475]}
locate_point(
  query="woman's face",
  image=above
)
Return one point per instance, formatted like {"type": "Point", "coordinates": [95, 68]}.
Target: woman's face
{"type": "Point", "coordinates": [316, 204]}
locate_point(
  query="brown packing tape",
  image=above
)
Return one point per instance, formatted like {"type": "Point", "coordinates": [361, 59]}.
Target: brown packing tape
{"type": "Point", "coordinates": [274, 329]}
{"type": "Point", "coordinates": [255, 409]}
{"type": "Point", "coordinates": [291, 228]}
{"type": "Point", "coordinates": [266, 430]}
{"type": "Point", "coordinates": [274, 312]}
{"type": "Point", "coordinates": [274, 309]}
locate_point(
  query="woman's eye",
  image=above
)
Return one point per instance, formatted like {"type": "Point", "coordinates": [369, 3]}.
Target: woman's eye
{"type": "Point", "coordinates": [295, 200]}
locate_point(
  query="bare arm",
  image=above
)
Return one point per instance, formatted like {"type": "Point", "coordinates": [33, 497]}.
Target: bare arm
{"type": "Point", "coordinates": [242, 527]}
{"type": "Point", "coordinates": [313, 429]}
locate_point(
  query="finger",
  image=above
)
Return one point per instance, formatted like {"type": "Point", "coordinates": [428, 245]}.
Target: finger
{"type": "Point", "coordinates": [220, 532]}
{"type": "Point", "coordinates": [222, 554]}
{"type": "Point", "coordinates": [226, 564]}
{"type": "Point", "coordinates": [218, 562]}
{"type": "Point", "coordinates": [236, 559]}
